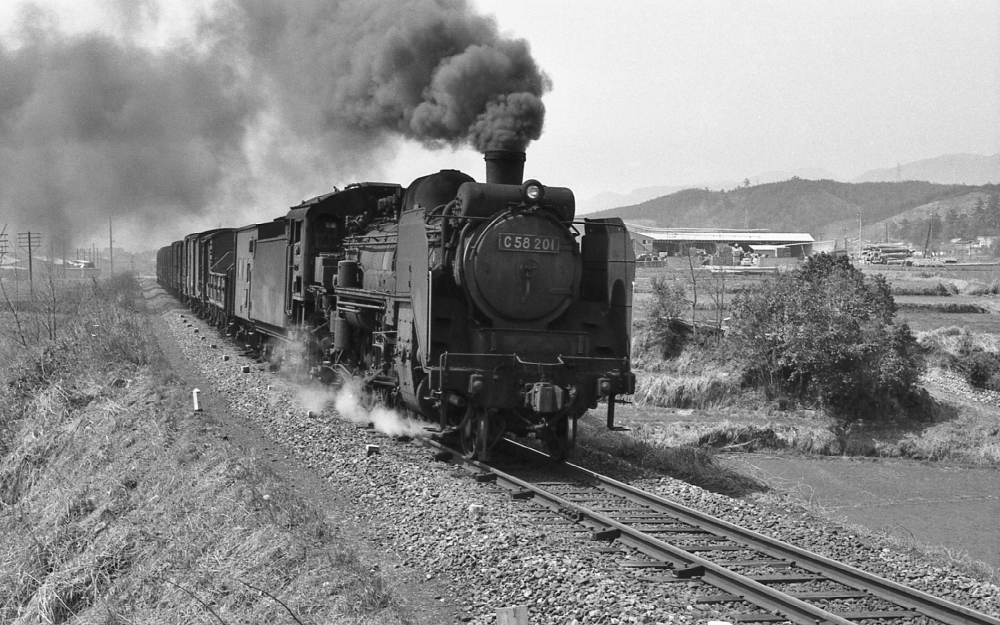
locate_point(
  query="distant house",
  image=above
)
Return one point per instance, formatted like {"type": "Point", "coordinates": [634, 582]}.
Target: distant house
{"type": "Point", "coordinates": [775, 251]}
{"type": "Point", "coordinates": [643, 246]}
{"type": "Point", "coordinates": [988, 240]}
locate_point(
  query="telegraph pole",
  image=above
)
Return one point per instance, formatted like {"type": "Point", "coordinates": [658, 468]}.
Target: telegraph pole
{"type": "Point", "coordinates": [29, 241]}
{"type": "Point", "coordinates": [859, 235]}
{"type": "Point", "coordinates": [111, 248]}
{"type": "Point", "coordinates": [3, 243]}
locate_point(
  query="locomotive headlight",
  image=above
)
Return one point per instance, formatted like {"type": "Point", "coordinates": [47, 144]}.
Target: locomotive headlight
{"type": "Point", "coordinates": [603, 387]}
{"type": "Point", "coordinates": [532, 192]}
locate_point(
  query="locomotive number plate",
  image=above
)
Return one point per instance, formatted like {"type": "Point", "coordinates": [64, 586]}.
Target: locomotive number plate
{"type": "Point", "coordinates": [528, 243]}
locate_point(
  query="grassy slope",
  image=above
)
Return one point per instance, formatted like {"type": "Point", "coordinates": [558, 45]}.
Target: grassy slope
{"type": "Point", "coordinates": [119, 505]}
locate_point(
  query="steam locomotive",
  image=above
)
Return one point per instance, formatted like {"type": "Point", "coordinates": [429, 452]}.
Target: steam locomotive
{"type": "Point", "coordinates": [478, 306]}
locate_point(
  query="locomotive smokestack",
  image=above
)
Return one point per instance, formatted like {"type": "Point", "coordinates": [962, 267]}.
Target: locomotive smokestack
{"type": "Point", "coordinates": [504, 166]}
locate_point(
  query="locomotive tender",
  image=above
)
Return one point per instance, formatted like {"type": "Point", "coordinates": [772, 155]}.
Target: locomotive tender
{"type": "Point", "coordinates": [479, 306]}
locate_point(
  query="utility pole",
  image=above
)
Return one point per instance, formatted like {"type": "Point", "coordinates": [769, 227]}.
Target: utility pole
{"type": "Point", "coordinates": [859, 235]}
{"type": "Point", "coordinates": [29, 241]}
{"type": "Point", "coordinates": [111, 247]}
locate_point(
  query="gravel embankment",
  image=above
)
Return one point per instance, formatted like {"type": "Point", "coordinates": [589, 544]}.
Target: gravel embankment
{"type": "Point", "coordinates": [957, 384]}
{"type": "Point", "coordinates": [498, 556]}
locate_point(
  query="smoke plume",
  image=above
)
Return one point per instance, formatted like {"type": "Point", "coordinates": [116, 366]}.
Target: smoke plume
{"type": "Point", "coordinates": [349, 407]}
{"type": "Point", "coordinates": [262, 96]}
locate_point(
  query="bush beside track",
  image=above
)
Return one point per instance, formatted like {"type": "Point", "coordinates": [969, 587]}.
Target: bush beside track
{"type": "Point", "coordinates": [795, 372]}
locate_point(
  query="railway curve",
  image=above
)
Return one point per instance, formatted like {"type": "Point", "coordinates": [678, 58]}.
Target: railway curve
{"type": "Point", "coordinates": [420, 515]}
{"type": "Point", "coordinates": [765, 574]}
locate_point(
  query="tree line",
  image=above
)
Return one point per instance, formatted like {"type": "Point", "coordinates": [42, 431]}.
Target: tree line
{"type": "Point", "coordinates": [983, 220]}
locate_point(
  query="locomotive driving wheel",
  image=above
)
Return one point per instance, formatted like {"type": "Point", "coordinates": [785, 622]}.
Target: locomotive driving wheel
{"type": "Point", "coordinates": [474, 432]}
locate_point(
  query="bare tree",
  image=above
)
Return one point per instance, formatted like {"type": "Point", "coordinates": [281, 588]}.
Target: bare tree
{"type": "Point", "coordinates": [694, 273]}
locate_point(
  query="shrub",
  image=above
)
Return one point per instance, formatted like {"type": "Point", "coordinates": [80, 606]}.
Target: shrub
{"type": "Point", "coordinates": [826, 334]}
{"type": "Point", "coordinates": [939, 289]}
{"type": "Point", "coordinates": [981, 369]}
{"type": "Point", "coordinates": [667, 305]}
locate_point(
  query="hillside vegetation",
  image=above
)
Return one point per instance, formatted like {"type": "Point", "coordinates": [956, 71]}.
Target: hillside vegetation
{"type": "Point", "coordinates": [795, 205]}
{"type": "Point", "coordinates": [119, 504]}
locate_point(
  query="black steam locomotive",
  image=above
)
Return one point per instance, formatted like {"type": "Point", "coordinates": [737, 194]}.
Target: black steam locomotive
{"type": "Point", "coordinates": [479, 306]}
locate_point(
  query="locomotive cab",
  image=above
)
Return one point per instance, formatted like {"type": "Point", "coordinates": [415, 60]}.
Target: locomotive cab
{"type": "Point", "coordinates": [315, 230]}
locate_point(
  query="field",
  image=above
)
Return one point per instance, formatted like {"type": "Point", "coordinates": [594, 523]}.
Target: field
{"type": "Point", "coordinates": [700, 404]}
{"type": "Point", "coordinates": [923, 293]}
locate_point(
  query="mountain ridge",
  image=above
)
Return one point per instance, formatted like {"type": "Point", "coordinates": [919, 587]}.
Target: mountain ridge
{"type": "Point", "coordinates": [972, 169]}
{"type": "Point", "coordinates": [824, 207]}
{"type": "Point", "coordinates": [819, 207]}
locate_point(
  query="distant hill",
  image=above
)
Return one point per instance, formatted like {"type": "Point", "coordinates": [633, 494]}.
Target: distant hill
{"type": "Point", "coordinates": [972, 169]}
{"type": "Point", "coordinates": [962, 204]}
{"type": "Point", "coordinates": [796, 205]}
{"type": "Point", "coordinates": [610, 199]}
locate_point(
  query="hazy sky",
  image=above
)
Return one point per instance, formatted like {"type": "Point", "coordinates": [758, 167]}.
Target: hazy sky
{"type": "Point", "coordinates": [644, 93]}
{"type": "Point", "coordinates": [657, 93]}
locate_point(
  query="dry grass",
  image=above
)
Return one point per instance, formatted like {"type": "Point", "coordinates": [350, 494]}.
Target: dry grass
{"type": "Point", "coordinates": [129, 509]}
{"type": "Point", "coordinates": [961, 431]}
{"type": "Point", "coordinates": [696, 465]}
{"type": "Point", "coordinates": [119, 505]}
{"type": "Point", "coordinates": [955, 339]}
{"type": "Point", "coordinates": [708, 390]}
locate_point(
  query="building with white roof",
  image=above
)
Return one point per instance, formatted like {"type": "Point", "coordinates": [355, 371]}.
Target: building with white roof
{"type": "Point", "coordinates": [672, 241]}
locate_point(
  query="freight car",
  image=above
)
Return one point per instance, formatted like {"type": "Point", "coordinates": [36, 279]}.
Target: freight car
{"type": "Point", "coordinates": [479, 306]}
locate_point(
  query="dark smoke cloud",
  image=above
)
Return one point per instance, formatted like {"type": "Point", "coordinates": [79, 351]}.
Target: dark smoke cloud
{"type": "Point", "coordinates": [93, 129]}
{"type": "Point", "coordinates": [429, 70]}
{"type": "Point", "coordinates": [96, 126]}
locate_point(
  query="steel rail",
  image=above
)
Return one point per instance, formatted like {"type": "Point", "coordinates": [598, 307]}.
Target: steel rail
{"type": "Point", "coordinates": [903, 596]}
{"type": "Point", "coordinates": [724, 579]}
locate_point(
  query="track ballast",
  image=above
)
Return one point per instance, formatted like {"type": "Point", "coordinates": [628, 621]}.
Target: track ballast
{"type": "Point", "coordinates": [761, 579]}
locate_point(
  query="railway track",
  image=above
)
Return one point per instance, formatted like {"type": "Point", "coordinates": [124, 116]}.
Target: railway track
{"type": "Point", "coordinates": [756, 579]}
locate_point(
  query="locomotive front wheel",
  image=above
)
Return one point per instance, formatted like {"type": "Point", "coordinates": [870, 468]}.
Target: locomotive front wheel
{"type": "Point", "coordinates": [475, 434]}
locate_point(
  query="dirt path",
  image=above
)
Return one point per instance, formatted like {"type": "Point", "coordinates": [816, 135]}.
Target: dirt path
{"type": "Point", "coordinates": [935, 505]}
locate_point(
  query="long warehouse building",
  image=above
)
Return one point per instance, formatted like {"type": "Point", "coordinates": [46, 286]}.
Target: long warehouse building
{"type": "Point", "coordinates": [674, 241]}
